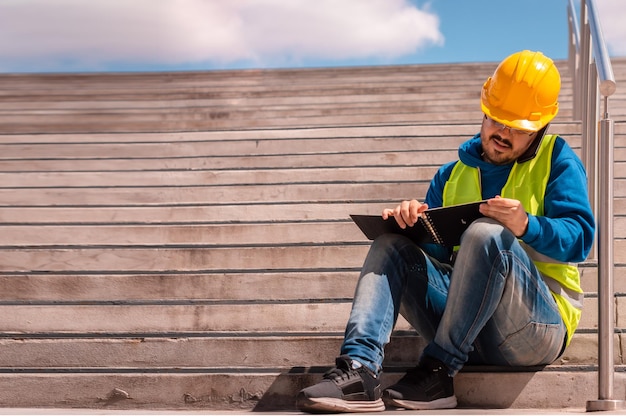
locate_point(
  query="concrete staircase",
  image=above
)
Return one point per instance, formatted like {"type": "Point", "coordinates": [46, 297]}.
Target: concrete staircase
{"type": "Point", "coordinates": [182, 240]}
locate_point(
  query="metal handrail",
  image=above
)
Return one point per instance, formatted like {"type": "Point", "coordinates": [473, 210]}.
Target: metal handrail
{"type": "Point", "coordinates": [573, 54]}
{"type": "Point", "coordinates": [573, 21]}
{"type": "Point", "coordinates": [593, 76]}
{"type": "Point", "coordinates": [600, 53]}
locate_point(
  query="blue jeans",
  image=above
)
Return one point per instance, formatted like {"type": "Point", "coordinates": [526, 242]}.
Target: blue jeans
{"type": "Point", "coordinates": [492, 307]}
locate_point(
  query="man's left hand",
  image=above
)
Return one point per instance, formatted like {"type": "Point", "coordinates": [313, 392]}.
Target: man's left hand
{"type": "Point", "coordinates": [509, 212]}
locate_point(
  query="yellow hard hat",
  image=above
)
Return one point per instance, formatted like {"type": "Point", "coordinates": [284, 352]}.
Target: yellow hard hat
{"type": "Point", "coordinates": [523, 91]}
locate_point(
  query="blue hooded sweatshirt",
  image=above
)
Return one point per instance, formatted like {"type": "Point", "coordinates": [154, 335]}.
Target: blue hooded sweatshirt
{"type": "Point", "coordinates": [566, 230]}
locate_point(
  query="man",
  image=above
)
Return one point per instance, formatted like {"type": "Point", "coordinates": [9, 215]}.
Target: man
{"type": "Point", "coordinates": [510, 294]}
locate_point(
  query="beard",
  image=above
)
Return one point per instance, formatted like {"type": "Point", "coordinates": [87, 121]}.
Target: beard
{"type": "Point", "coordinates": [498, 151]}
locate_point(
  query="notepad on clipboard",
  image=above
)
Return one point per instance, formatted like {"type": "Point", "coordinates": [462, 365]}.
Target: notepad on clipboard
{"type": "Point", "coordinates": [443, 225]}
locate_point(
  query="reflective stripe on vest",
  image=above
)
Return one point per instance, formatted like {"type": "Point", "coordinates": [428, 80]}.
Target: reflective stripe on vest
{"type": "Point", "coordinates": [563, 279]}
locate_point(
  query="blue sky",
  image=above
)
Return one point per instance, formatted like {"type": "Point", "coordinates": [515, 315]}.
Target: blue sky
{"type": "Point", "coordinates": [156, 35]}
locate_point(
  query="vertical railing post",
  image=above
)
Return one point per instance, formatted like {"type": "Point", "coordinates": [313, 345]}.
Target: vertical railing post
{"type": "Point", "coordinates": [605, 260]}
{"type": "Point", "coordinates": [606, 306]}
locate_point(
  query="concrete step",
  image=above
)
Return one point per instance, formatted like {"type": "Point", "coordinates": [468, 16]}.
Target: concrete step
{"type": "Point", "coordinates": [275, 389]}
{"type": "Point", "coordinates": [233, 285]}
{"type": "Point", "coordinates": [201, 194]}
{"type": "Point", "coordinates": [209, 214]}
{"type": "Point", "coordinates": [227, 349]}
{"type": "Point", "coordinates": [200, 316]}
{"type": "Point", "coordinates": [198, 259]}
{"type": "Point", "coordinates": [341, 231]}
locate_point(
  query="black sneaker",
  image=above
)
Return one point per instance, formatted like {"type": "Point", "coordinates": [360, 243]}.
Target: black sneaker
{"type": "Point", "coordinates": [425, 387]}
{"type": "Point", "coordinates": [343, 389]}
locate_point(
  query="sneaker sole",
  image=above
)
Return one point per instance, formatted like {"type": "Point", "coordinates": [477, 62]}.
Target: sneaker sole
{"type": "Point", "coordinates": [445, 403]}
{"type": "Point", "coordinates": [329, 404]}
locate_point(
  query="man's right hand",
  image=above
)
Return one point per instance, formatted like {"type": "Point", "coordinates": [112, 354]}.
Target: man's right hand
{"type": "Point", "coordinates": [407, 213]}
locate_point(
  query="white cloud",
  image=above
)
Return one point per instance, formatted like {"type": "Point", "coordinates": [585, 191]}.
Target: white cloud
{"type": "Point", "coordinates": [612, 18]}
{"type": "Point", "coordinates": [95, 34]}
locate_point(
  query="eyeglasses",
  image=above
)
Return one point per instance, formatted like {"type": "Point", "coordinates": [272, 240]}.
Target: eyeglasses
{"type": "Point", "coordinates": [512, 131]}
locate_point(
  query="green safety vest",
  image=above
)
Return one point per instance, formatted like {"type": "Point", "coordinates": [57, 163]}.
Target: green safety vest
{"type": "Point", "coordinates": [563, 279]}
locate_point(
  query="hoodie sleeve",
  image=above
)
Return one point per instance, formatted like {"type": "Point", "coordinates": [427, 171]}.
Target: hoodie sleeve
{"type": "Point", "coordinates": [434, 196]}
{"type": "Point", "coordinates": [566, 230]}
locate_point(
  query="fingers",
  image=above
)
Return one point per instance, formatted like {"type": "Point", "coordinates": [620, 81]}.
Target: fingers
{"type": "Point", "coordinates": [504, 205]}
{"type": "Point", "coordinates": [387, 212]}
{"type": "Point", "coordinates": [406, 213]}
{"type": "Point", "coordinates": [510, 212]}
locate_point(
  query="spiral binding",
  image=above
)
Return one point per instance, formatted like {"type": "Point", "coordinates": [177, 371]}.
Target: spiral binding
{"type": "Point", "coordinates": [431, 228]}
